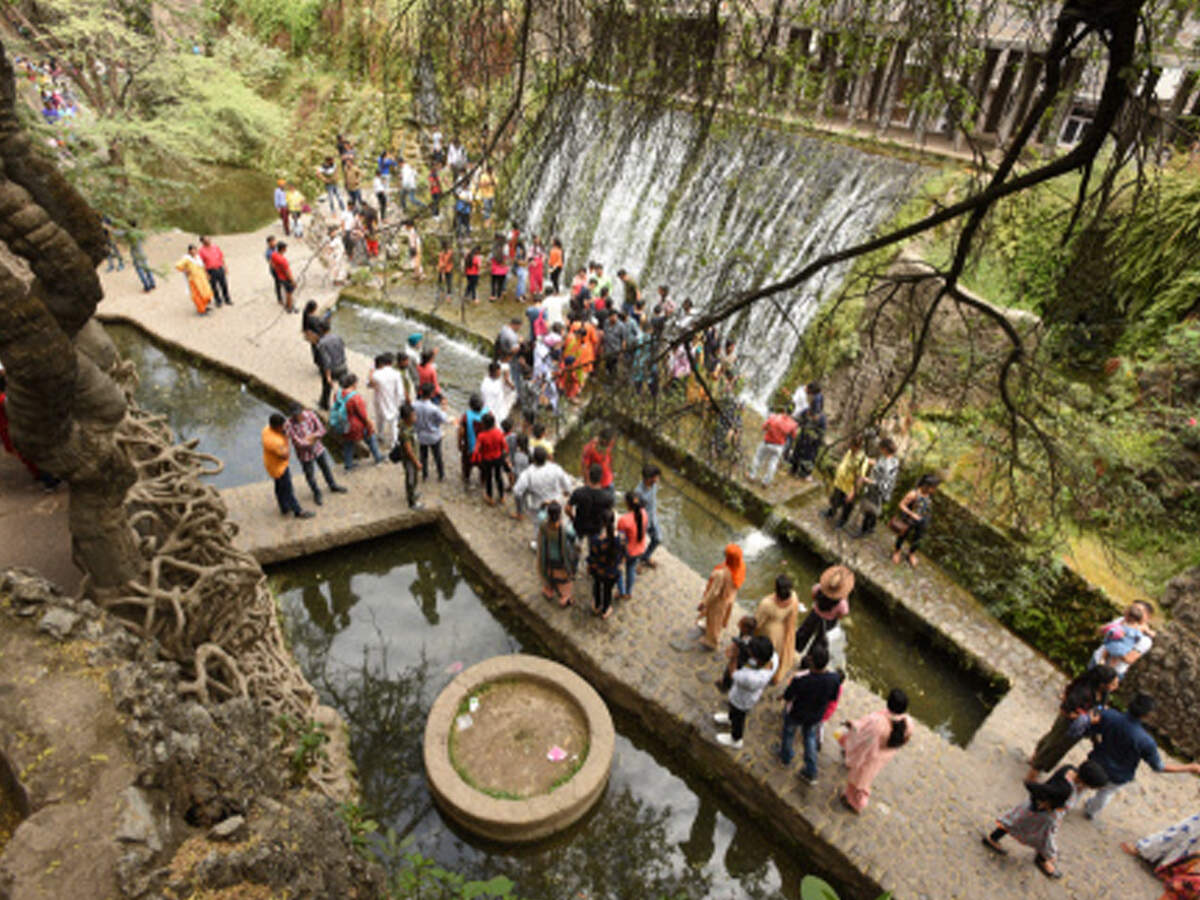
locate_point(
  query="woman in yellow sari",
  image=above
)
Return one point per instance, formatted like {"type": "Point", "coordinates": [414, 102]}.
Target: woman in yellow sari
{"type": "Point", "coordinates": [197, 277]}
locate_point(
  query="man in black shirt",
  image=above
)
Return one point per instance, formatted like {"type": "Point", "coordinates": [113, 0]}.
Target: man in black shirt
{"type": "Point", "coordinates": [808, 697]}
{"type": "Point", "coordinates": [588, 504]}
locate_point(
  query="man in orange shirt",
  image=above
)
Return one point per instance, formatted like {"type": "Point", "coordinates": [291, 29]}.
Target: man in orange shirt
{"type": "Point", "coordinates": [776, 431]}
{"type": "Point", "coordinates": [275, 459]}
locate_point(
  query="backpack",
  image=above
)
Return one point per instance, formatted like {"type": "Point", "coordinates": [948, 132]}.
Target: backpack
{"type": "Point", "coordinates": [339, 420]}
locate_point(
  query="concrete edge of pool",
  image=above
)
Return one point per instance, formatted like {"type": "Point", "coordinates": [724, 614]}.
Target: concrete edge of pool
{"type": "Point", "coordinates": [518, 821]}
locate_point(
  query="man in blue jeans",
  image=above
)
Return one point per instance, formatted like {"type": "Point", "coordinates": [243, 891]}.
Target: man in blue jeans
{"type": "Point", "coordinates": [807, 697]}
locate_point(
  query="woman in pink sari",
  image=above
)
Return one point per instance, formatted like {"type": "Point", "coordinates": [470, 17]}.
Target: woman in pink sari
{"type": "Point", "coordinates": [869, 743]}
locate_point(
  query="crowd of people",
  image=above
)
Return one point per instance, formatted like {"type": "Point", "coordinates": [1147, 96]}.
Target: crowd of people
{"type": "Point", "coordinates": [53, 85]}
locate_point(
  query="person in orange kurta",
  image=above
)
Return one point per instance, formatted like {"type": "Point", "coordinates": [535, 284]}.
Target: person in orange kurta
{"type": "Point", "coordinates": [275, 460]}
{"type": "Point", "coordinates": [197, 276]}
{"type": "Point", "coordinates": [775, 618]}
{"type": "Point", "coordinates": [720, 593]}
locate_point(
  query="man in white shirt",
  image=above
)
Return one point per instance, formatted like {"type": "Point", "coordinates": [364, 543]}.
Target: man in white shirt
{"type": "Point", "coordinates": [384, 380]}
{"type": "Point", "coordinates": [408, 185]}
{"type": "Point", "coordinates": [541, 482]}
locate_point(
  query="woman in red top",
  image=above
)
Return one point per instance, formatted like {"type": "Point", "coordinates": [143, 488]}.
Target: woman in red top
{"type": "Point", "coordinates": [633, 525]}
{"type": "Point", "coordinates": [472, 263]}
{"type": "Point", "coordinates": [490, 455]}
{"type": "Point", "coordinates": [427, 374]}
{"type": "Point", "coordinates": [445, 270]}
{"type": "Point", "coordinates": [599, 450]}
{"type": "Point", "coordinates": [499, 274]}
{"type": "Point", "coordinates": [537, 267]}
{"type": "Point", "coordinates": [358, 424]}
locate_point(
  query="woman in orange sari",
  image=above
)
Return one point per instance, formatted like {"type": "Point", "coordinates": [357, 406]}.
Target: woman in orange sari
{"type": "Point", "coordinates": [719, 595]}
{"type": "Point", "coordinates": [197, 278]}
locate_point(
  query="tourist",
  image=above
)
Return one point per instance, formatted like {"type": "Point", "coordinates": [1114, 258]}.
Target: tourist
{"type": "Point", "coordinates": [272, 246]}
{"type": "Point", "coordinates": [137, 257]}
{"type": "Point", "coordinates": [385, 166]}
{"type": "Point", "coordinates": [555, 549]}
{"type": "Point", "coordinates": [879, 484]}
{"type": "Point", "coordinates": [777, 431]}
{"type": "Point", "coordinates": [647, 491]}
{"type": "Point", "coordinates": [809, 699]}
{"type": "Point", "coordinates": [520, 262]}
{"type": "Point", "coordinates": [350, 413]}
{"type": "Point", "coordinates": [491, 455]}
{"type": "Point", "coordinates": [537, 269]}
{"type": "Point", "coordinates": [1129, 648]}
{"type": "Point", "coordinates": [542, 483]}
{"type": "Point", "coordinates": [283, 272]}
{"type": "Point", "coordinates": [499, 272]}
{"type": "Point", "coordinates": [296, 208]}
{"type": "Point", "coordinates": [520, 459]}
{"type": "Point", "coordinates": [748, 682]}
{"type": "Point", "coordinates": [384, 380]}
{"type": "Point", "coordinates": [275, 459]}
{"type": "Point", "coordinates": [281, 207]}
{"type": "Point", "coordinates": [869, 743]}
{"type": "Point", "coordinates": [485, 190]}
{"type": "Point", "coordinates": [1175, 855]}
{"type": "Point", "coordinates": [915, 510]}
{"type": "Point", "coordinates": [445, 271]}
{"type": "Point", "coordinates": [468, 426]}
{"type": "Point", "coordinates": [831, 603]}
{"type": "Point", "coordinates": [408, 186]}
{"type": "Point", "coordinates": [847, 481]}
{"type": "Point", "coordinates": [409, 232]}
{"type": "Point", "coordinates": [112, 248]}
{"type": "Point", "coordinates": [429, 422]}
{"type": "Point", "coordinates": [497, 390]}
{"type": "Point", "coordinates": [808, 442]}
{"type": "Point", "coordinates": [555, 262]}
{"type": "Point", "coordinates": [427, 375]}
{"type": "Point", "coordinates": [435, 191]}
{"type": "Point", "coordinates": [462, 211]}
{"type": "Point", "coordinates": [379, 186]}
{"type": "Point", "coordinates": [406, 452]}
{"type": "Point", "coordinates": [409, 383]}
{"type": "Point", "coordinates": [197, 279]}
{"type": "Point", "coordinates": [472, 265]}
{"type": "Point", "coordinates": [1035, 824]}
{"type": "Point", "coordinates": [353, 179]}
{"type": "Point", "coordinates": [456, 157]}
{"type": "Point", "coordinates": [606, 552]}
{"type": "Point", "coordinates": [540, 439]}
{"type": "Point", "coordinates": [599, 451]}
{"type": "Point", "coordinates": [508, 339]}
{"type": "Point", "coordinates": [1084, 695]}
{"type": "Point", "coordinates": [331, 360]}
{"type": "Point", "coordinates": [304, 430]}
{"type": "Point", "coordinates": [414, 346]}
{"type": "Point", "coordinates": [328, 172]}
{"type": "Point", "coordinates": [775, 618]}
{"type": "Point", "coordinates": [632, 292]}
{"type": "Point", "coordinates": [1121, 742]}
{"type": "Point", "coordinates": [720, 592]}
{"type": "Point", "coordinates": [633, 525]}
{"type": "Point", "coordinates": [214, 264]}
{"type": "Point", "coordinates": [588, 504]}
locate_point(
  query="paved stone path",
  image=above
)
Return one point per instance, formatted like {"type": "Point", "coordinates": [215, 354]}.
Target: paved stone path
{"type": "Point", "coordinates": [920, 836]}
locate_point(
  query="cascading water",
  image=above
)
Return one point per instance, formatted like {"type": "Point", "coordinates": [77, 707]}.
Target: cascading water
{"type": "Point", "coordinates": [742, 210]}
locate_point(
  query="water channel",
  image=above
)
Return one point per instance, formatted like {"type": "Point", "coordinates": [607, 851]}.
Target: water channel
{"type": "Point", "coordinates": [199, 402]}
{"type": "Point", "coordinates": [380, 628]}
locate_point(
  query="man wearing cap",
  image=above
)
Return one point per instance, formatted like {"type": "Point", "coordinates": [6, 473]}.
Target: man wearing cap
{"type": "Point", "coordinates": [305, 431]}
{"type": "Point", "coordinates": [413, 350]}
{"type": "Point", "coordinates": [281, 207]}
{"type": "Point", "coordinates": [831, 602]}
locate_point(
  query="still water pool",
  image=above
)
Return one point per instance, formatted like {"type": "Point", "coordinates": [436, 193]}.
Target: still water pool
{"type": "Point", "coordinates": [380, 628]}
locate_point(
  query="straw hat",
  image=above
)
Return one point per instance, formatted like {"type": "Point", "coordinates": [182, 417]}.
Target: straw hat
{"type": "Point", "coordinates": [837, 582]}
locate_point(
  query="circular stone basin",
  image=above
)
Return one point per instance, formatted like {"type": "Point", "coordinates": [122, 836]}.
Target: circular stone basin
{"type": "Point", "coordinates": [517, 748]}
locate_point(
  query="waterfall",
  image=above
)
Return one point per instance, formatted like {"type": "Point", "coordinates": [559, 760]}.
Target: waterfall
{"type": "Point", "coordinates": [745, 209]}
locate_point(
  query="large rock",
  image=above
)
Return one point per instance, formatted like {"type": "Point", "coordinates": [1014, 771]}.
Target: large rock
{"type": "Point", "coordinates": [1171, 671]}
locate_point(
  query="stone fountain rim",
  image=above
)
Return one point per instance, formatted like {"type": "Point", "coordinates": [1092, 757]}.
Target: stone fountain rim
{"type": "Point", "coordinates": [534, 817]}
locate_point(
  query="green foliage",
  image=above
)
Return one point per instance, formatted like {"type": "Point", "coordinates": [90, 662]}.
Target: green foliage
{"type": "Point", "coordinates": [296, 20]}
{"type": "Point", "coordinates": [304, 743]}
{"type": "Point", "coordinates": [411, 875]}
{"type": "Point", "coordinates": [360, 827]}
{"type": "Point", "coordinates": [814, 888]}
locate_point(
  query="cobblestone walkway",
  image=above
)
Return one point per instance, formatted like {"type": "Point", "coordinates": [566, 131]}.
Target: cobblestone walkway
{"type": "Point", "coordinates": [919, 837]}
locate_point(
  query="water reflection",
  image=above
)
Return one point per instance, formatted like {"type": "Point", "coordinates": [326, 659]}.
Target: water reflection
{"type": "Point", "coordinates": [881, 652]}
{"type": "Point", "coordinates": [200, 402]}
{"type": "Point", "coordinates": [381, 627]}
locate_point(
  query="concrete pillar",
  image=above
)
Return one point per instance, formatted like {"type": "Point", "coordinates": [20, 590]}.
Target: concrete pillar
{"type": "Point", "coordinates": [895, 75]}
{"type": "Point", "coordinates": [1003, 92]}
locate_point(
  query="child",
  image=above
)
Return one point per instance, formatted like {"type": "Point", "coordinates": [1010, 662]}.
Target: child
{"type": "Point", "coordinates": [749, 682]}
{"type": "Point", "coordinates": [1123, 636]}
{"type": "Point", "coordinates": [1036, 824]}
{"type": "Point", "coordinates": [491, 456]}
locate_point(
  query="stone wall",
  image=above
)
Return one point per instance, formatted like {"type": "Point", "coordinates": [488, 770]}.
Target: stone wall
{"type": "Point", "coordinates": [1171, 671]}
